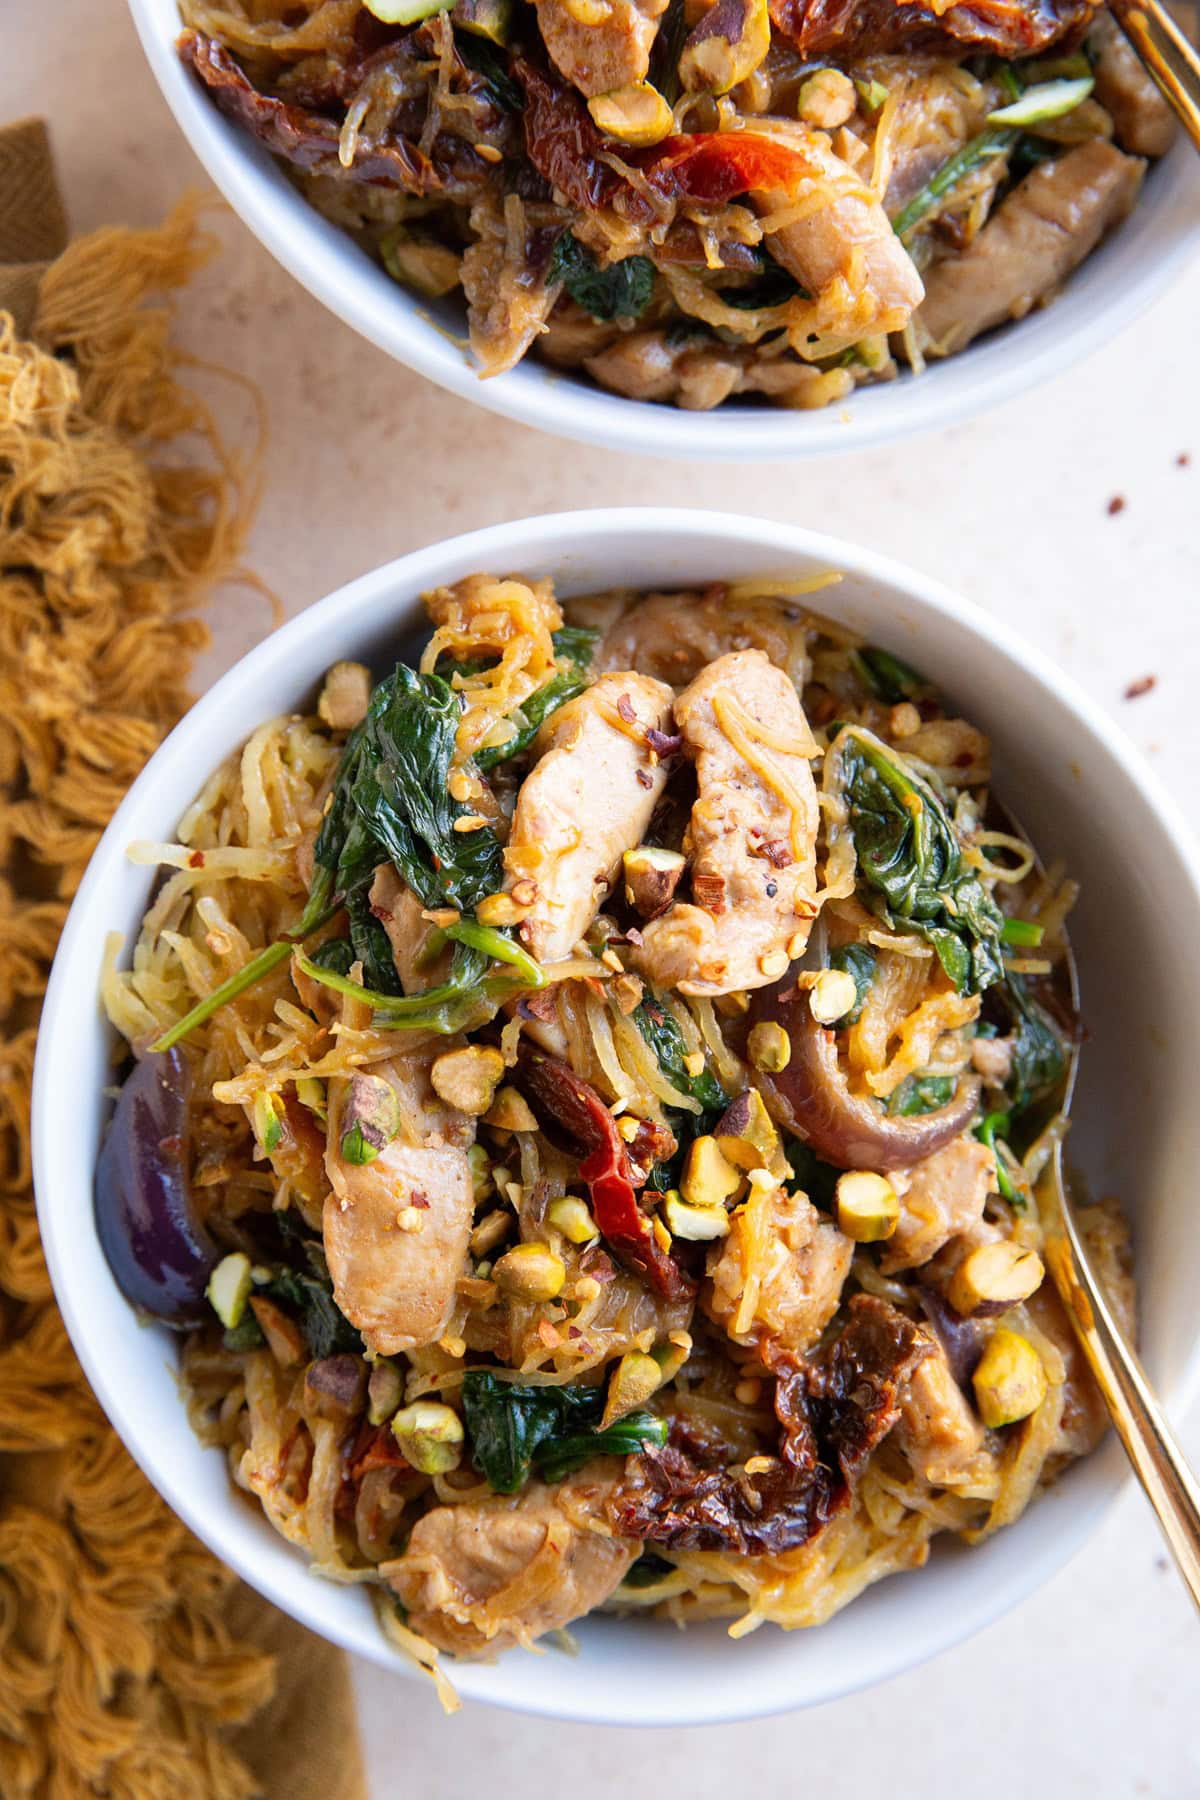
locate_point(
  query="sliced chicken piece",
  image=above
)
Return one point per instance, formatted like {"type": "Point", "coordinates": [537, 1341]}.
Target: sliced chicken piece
{"type": "Point", "coordinates": [399, 912]}
{"type": "Point", "coordinates": [698, 374]}
{"type": "Point", "coordinates": [1144, 123]}
{"type": "Point", "coordinates": [752, 834]}
{"type": "Point", "coordinates": [587, 800]}
{"type": "Point", "coordinates": [481, 1576]}
{"type": "Point", "coordinates": [611, 52]}
{"type": "Point", "coordinates": [937, 1430]}
{"type": "Point", "coordinates": [1044, 229]}
{"type": "Point", "coordinates": [940, 1199]}
{"type": "Point", "coordinates": [396, 1229]}
{"type": "Point", "coordinates": [844, 252]}
{"type": "Point", "coordinates": [675, 636]}
{"type": "Point", "coordinates": [779, 1274]}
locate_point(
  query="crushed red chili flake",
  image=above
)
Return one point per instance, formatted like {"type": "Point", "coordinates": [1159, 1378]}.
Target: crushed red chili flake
{"type": "Point", "coordinates": [643, 780]}
{"type": "Point", "coordinates": [663, 743]}
{"type": "Point", "coordinates": [196, 859]}
{"type": "Point", "coordinates": [1183, 460]}
{"type": "Point", "coordinates": [777, 851]}
{"type": "Point", "coordinates": [1116, 505]}
{"type": "Point", "coordinates": [1136, 689]}
{"type": "Point", "coordinates": [538, 1006]}
{"type": "Point", "coordinates": [625, 710]}
{"type": "Point", "coordinates": [634, 936]}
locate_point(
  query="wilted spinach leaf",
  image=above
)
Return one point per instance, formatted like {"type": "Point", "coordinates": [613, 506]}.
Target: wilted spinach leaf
{"type": "Point", "coordinates": [621, 291]}
{"type": "Point", "coordinates": [887, 677]}
{"type": "Point", "coordinates": [921, 1094]}
{"type": "Point", "coordinates": [908, 852]}
{"type": "Point", "coordinates": [513, 1427]}
{"type": "Point", "coordinates": [665, 1040]}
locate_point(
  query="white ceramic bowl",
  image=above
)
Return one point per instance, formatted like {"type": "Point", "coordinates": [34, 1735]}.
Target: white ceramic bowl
{"type": "Point", "coordinates": [1112, 288]}
{"type": "Point", "coordinates": [1073, 781]}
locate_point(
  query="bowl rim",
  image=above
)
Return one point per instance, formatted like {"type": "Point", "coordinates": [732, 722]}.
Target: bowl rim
{"type": "Point", "coordinates": [983, 376]}
{"type": "Point", "coordinates": [359, 604]}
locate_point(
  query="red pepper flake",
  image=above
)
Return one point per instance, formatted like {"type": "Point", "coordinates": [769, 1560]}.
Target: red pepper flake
{"type": "Point", "coordinates": [663, 743]}
{"type": "Point", "coordinates": [777, 851]}
{"type": "Point", "coordinates": [634, 936]}
{"type": "Point", "coordinates": [573, 1331]}
{"type": "Point", "coordinates": [625, 710]}
{"type": "Point", "coordinates": [1116, 505]}
{"type": "Point", "coordinates": [643, 780]}
{"type": "Point", "coordinates": [1136, 689]}
{"type": "Point", "coordinates": [1183, 460]}
{"type": "Point", "coordinates": [196, 859]}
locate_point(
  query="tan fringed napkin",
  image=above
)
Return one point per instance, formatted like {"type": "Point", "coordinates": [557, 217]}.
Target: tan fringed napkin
{"type": "Point", "coordinates": [131, 1663]}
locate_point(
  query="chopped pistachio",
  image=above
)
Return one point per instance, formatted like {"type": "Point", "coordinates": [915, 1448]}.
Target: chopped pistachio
{"type": "Point", "coordinates": [510, 1111]}
{"type": "Point", "coordinates": [468, 1078]}
{"type": "Point", "coordinates": [636, 115]}
{"type": "Point", "coordinates": [832, 996]}
{"type": "Point", "coordinates": [747, 1137]}
{"type": "Point", "coordinates": [827, 99]}
{"type": "Point", "coordinates": [769, 1046]}
{"type": "Point", "coordinates": [385, 1390]}
{"type": "Point", "coordinates": [635, 1378]}
{"type": "Point", "coordinates": [480, 1165]}
{"type": "Point", "coordinates": [530, 1272]}
{"type": "Point", "coordinates": [651, 877]}
{"type": "Point", "coordinates": [1010, 1381]}
{"type": "Point", "coordinates": [491, 1230]}
{"type": "Point", "coordinates": [500, 909]}
{"type": "Point", "coordinates": [370, 1119]}
{"type": "Point", "coordinates": [726, 46]}
{"type": "Point", "coordinates": [573, 1217]}
{"type": "Point", "coordinates": [267, 1113]}
{"type": "Point", "coordinates": [994, 1277]}
{"type": "Point", "coordinates": [229, 1288]}
{"type": "Point", "coordinates": [709, 1178]}
{"type": "Point", "coordinates": [345, 695]}
{"type": "Point", "coordinates": [311, 1093]}
{"type": "Point", "coordinates": [868, 1208]}
{"type": "Point", "coordinates": [697, 1224]}
{"type": "Point", "coordinates": [430, 1436]}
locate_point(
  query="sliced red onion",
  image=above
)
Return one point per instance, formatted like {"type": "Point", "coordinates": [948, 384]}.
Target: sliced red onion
{"type": "Point", "coordinates": [160, 1254]}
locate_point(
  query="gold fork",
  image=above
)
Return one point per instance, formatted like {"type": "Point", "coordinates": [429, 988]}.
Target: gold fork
{"type": "Point", "coordinates": [1141, 1425]}
{"type": "Point", "coordinates": [1167, 54]}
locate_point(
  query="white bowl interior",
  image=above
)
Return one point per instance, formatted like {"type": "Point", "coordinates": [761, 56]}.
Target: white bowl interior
{"type": "Point", "coordinates": [1112, 288]}
{"type": "Point", "coordinates": [1082, 793]}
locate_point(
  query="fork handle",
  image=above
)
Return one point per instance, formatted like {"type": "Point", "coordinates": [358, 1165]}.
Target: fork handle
{"type": "Point", "coordinates": [1167, 54]}
{"type": "Point", "coordinates": [1150, 1443]}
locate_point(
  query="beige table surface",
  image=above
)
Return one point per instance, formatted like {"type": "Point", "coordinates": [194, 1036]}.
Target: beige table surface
{"type": "Point", "coordinates": [1092, 1687]}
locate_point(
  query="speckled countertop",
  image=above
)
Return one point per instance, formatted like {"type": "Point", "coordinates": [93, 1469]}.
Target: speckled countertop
{"type": "Point", "coordinates": [1088, 1690]}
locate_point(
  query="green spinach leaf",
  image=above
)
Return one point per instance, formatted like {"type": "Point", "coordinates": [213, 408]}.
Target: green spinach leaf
{"type": "Point", "coordinates": [621, 291]}
{"type": "Point", "coordinates": [514, 1427]}
{"type": "Point", "coordinates": [908, 851]}
{"type": "Point", "coordinates": [921, 1094]}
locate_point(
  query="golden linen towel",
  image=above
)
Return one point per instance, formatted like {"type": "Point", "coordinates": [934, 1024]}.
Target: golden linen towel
{"type": "Point", "coordinates": [131, 1663]}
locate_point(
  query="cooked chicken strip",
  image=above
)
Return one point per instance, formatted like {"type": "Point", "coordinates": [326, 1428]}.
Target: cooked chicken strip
{"type": "Point", "coordinates": [586, 801]}
{"type": "Point", "coordinates": [940, 1198]}
{"type": "Point", "coordinates": [612, 53]}
{"type": "Point", "coordinates": [1144, 122]}
{"type": "Point", "coordinates": [801, 1261]}
{"type": "Point", "coordinates": [674, 636]}
{"type": "Point", "coordinates": [937, 1430]}
{"type": "Point", "coordinates": [400, 913]}
{"type": "Point", "coordinates": [481, 1576]}
{"type": "Point", "coordinates": [699, 373]}
{"type": "Point", "coordinates": [396, 1229]}
{"type": "Point", "coordinates": [1039, 234]}
{"type": "Point", "coordinates": [845, 253]}
{"type": "Point", "coordinates": [752, 835]}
